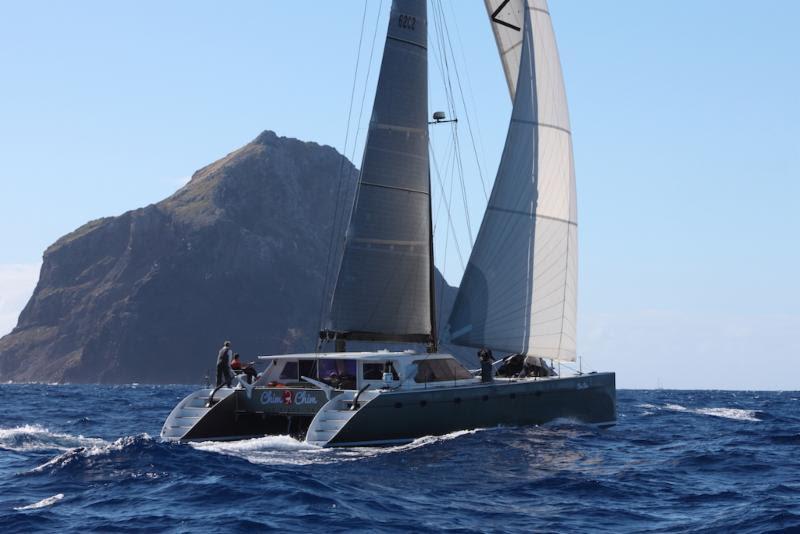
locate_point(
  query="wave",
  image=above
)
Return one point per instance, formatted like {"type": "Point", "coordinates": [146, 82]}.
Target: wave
{"type": "Point", "coordinates": [38, 438]}
{"type": "Point", "coordinates": [286, 450]}
{"type": "Point", "coordinates": [49, 501]}
{"type": "Point", "coordinates": [99, 449]}
{"type": "Point", "coordinates": [725, 413]}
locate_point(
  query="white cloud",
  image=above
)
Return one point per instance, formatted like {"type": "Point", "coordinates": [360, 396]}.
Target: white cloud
{"type": "Point", "coordinates": [17, 282]}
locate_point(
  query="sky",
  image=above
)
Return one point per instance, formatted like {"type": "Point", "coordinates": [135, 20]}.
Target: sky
{"type": "Point", "coordinates": [686, 129]}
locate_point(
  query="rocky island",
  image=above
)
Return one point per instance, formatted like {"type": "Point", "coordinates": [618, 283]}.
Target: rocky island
{"type": "Point", "coordinates": [240, 252]}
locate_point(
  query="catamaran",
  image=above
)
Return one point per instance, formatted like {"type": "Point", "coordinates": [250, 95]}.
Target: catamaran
{"type": "Point", "coordinates": [518, 294]}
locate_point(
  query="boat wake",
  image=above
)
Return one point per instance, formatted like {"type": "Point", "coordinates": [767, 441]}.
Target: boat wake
{"type": "Point", "coordinates": [286, 450]}
{"type": "Point", "coordinates": [38, 438]}
{"type": "Point", "coordinates": [49, 501]}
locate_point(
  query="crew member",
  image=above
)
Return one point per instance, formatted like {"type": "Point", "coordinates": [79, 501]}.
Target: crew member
{"type": "Point", "coordinates": [224, 372]}
{"type": "Point", "coordinates": [485, 355]}
{"type": "Point", "coordinates": [247, 369]}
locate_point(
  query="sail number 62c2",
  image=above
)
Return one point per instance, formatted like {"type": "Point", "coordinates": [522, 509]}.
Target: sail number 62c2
{"type": "Point", "coordinates": [407, 22]}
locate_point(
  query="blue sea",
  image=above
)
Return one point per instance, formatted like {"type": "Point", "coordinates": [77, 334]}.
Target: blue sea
{"type": "Point", "coordinates": [89, 459]}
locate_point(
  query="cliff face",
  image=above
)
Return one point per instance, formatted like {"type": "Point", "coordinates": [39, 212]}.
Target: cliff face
{"type": "Point", "coordinates": [238, 253]}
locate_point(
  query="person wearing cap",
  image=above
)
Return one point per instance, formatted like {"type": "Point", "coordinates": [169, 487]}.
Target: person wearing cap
{"type": "Point", "coordinates": [224, 372]}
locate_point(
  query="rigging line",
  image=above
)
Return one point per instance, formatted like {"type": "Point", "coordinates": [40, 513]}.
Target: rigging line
{"type": "Point", "coordinates": [366, 80]}
{"type": "Point", "coordinates": [464, 103]}
{"type": "Point", "coordinates": [440, 24]}
{"type": "Point", "coordinates": [334, 224]}
{"type": "Point", "coordinates": [471, 93]}
{"type": "Point", "coordinates": [439, 204]}
{"type": "Point", "coordinates": [447, 206]}
{"type": "Point", "coordinates": [464, 198]}
{"type": "Point", "coordinates": [440, 299]}
{"type": "Point", "coordinates": [357, 191]}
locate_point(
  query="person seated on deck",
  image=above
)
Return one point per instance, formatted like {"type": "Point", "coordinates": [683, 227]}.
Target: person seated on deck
{"type": "Point", "coordinates": [535, 366]}
{"type": "Point", "coordinates": [512, 366]}
{"type": "Point", "coordinates": [247, 369]}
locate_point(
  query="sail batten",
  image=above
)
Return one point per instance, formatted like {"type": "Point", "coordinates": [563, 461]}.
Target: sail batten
{"type": "Point", "coordinates": [519, 290]}
{"type": "Point", "coordinates": [383, 289]}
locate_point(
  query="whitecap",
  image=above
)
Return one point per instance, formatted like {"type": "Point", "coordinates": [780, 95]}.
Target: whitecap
{"type": "Point", "coordinates": [43, 503]}
{"type": "Point", "coordinates": [730, 413]}
{"type": "Point", "coordinates": [736, 414]}
{"type": "Point", "coordinates": [39, 438]}
{"type": "Point", "coordinates": [98, 449]}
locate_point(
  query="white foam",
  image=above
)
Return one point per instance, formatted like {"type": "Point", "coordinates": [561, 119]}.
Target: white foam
{"type": "Point", "coordinates": [726, 413]}
{"type": "Point", "coordinates": [39, 438]}
{"type": "Point", "coordinates": [43, 503]}
{"type": "Point", "coordinates": [730, 413]}
{"type": "Point", "coordinates": [97, 449]}
{"type": "Point", "coordinates": [285, 450]}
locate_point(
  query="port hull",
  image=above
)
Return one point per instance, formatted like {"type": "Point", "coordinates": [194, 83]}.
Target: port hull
{"type": "Point", "coordinates": [235, 414]}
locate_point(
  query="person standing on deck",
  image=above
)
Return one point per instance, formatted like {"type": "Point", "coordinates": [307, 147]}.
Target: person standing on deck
{"type": "Point", "coordinates": [224, 372]}
{"type": "Point", "coordinates": [486, 357]}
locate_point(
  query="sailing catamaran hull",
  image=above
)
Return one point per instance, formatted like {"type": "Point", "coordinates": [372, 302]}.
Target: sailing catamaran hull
{"type": "Point", "coordinates": [400, 417]}
{"type": "Point", "coordinates": [237, 415]}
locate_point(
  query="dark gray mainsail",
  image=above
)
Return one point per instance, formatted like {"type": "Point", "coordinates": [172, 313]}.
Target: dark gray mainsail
{"type": "Point", "coordinates": [519, 290]}
{"type": "Point", "coordinates": [383, 290]}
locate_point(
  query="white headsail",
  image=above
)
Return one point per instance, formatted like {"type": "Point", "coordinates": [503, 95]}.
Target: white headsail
{"type": "Point", "coordinates": [519, 290]}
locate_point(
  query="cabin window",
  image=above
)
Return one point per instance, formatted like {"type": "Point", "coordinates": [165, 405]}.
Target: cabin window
{"type": "Point", "coordinates": [308, 368]}
{"type": "Point", "coordinates": [289, 371]}
{"type": "Point", "coordinates": [374, 371]}
{"type": "Point", "coordinates": [340, 374]}
{"type": "Point", "coordinates": [440, 370]}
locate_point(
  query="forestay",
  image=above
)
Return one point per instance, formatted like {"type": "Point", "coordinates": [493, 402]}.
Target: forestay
{"type": "Point", "coordinates": [383, 291]}
{"type": "Point", "coordinates": [519, 290]}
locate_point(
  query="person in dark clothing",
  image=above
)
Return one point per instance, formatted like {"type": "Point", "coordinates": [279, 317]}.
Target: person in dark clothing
{"type": "Point", "coordinates": [535, 366]}
{"type": "Point", "coordinates": [247, 369]}
{"type": "Point", "coordinates": [511, 367]}
{"type": "Point", "coordinates": [485, 355]}
{"type": "Point", "coordinates": [224, 372]}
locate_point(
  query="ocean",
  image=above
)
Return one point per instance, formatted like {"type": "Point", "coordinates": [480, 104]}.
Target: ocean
{"type": "Point", "coordinates": [89, 459]}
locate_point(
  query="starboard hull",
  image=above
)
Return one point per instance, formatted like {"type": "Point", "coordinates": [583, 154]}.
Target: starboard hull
{"type": "Point", "coordinates": [401, 417]}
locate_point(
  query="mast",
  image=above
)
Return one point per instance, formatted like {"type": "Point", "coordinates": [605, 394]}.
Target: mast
{"type": "Point", "coordinates": [385, 287]}
{"type": "Point", "coordinates": [433, 344]}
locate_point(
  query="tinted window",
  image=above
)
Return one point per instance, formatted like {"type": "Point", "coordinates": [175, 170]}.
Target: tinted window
{"type": "Point", "coordinates": [374, 371]}
{"type": "Point", "coordinates": [289, 371]}
{"type": "Point", "coordinates": [340, 374]}
{"type": "Point", "coordinates": [440, 370]}
{"type": "Point", "coordinates": [308, 368]}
